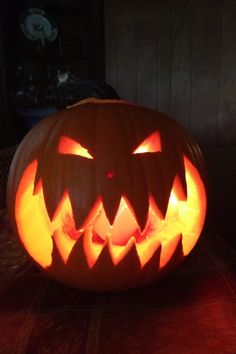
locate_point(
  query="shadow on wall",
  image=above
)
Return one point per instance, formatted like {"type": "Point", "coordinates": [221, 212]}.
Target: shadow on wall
{"type": "Point", "coordinates": [221, 171]}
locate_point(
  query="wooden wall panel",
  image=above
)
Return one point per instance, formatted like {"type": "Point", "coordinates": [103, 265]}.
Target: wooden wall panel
{"type": "Point", "coordinates": [205, 69]}
{"type": "Point", "coordinates": [122, 55]}
{"type": "Point", "coordinates": [147, 52]}
{"type": "Point", "coordinates": [227, 110]}
{"type": "Point", "coordinates": [181, 61]}
{"type": "Point", "coordinates": [110, 42]}
{"type": "Point", "coordinates": [164, 56]}
{"type": "Point", "coordinates": [179, 57]}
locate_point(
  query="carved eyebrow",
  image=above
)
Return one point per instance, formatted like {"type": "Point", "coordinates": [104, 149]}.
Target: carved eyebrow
{"type": "Point", "coordinates": [69, 146]}
{"type": "Point", "coordinates": [151, 144]}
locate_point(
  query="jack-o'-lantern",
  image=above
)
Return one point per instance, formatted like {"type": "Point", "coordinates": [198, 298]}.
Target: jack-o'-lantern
{"type": "Point", "coordinates": [107, 195]}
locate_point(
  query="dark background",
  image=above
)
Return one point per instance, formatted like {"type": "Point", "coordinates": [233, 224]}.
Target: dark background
{"type": "Point", "coordinates": [176, 56]}
{"type": "Point", "coordinates": [29, 70]}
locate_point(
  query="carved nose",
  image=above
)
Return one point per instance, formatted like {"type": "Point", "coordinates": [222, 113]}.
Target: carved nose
{"type": "Point", "coordinates": [110, 174]}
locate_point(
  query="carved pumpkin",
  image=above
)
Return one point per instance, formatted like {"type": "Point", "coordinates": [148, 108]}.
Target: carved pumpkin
{"type": "Point", "coordinates": [107, 195]}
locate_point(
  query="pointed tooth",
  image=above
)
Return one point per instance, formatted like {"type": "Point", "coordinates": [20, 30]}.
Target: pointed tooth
{"type": "Point", "coordinates": [151, 268]}
{"type": "Point", "coordinates": [37, 184]}
{"type": "Point", "coordinates": [77, 256]}
{"type": "Point", "coordinates": [119, 252]}
{"type": "Point", "coordinates": [135, 189]}
{"type": "Point", "coordinates": [146, 249]}
{"type": "Point", "coordinates": [52, 199]}
{"type": "Point", "coordinates": [169, 248]}
{"type": "Point", "coordinates": [64, 244]}
{"type": "Point", "coordinates": [142, 220]}
{"type": "Point", "coordinates": [52, 191]}
{"type": "Point", "coordinates": [81, 207]}
{"type": "Point", "coordinates": [162, 201]}
{"type": "Point", "coordinates": [92, 250]}
{"type": "Point", "coordinates": [116, 278]}
{"type": "Point", "coordinates": [126, 251]}
{"type": "Point", "coordinates": [182, 181]}
{"type": "Point", "coordinates": [123, 227]}
{"type": "Point", "coordinates": [160, 190]}
{"type": "Point", "coordinates": [56, 256]}
{"type": "Point", "coordinates": [139, 207]}
{"type": "Point", "coordinates": [111, 202]}
{"type": "Point", "coordinates": [38, 175]}
{"type": "Point", "coordinates": [180, 189]}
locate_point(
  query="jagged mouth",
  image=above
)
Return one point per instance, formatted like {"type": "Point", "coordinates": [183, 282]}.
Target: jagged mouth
{"type": "Point", "coordinates": [124, 227]}
{"type": "Point", "coordinates": [182, 222]}
{"type": "Point", "coordinates": [125, 233]}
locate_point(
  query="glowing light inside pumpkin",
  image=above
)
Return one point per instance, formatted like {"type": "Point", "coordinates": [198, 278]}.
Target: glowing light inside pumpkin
{"type": "Point", "coordinates": [184, 218]}
{"type": "Point", "coordinates": [151, 144]}
{"type": "Point", "coordinates": [110, 174]}
{"type": "Point", "coordinates": [69, 146]}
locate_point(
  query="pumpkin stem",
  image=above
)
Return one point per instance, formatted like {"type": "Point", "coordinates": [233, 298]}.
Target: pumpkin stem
{"type": "Point", "coordinates": [93, 100]}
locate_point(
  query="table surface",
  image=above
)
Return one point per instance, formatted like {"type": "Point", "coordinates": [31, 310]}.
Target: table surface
{"type": "Point", "coordinates": [191, 311]}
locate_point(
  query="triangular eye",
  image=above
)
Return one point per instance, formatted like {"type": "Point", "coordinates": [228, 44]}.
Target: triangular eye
{"type": "Point", "coordinates": [71, 147]}
{"type": "Point", "coordinates": [151, 144]}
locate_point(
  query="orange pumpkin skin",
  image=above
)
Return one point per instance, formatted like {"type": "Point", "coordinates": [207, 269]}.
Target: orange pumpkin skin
{"type": "Point", "coordinates": [107, 195]}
